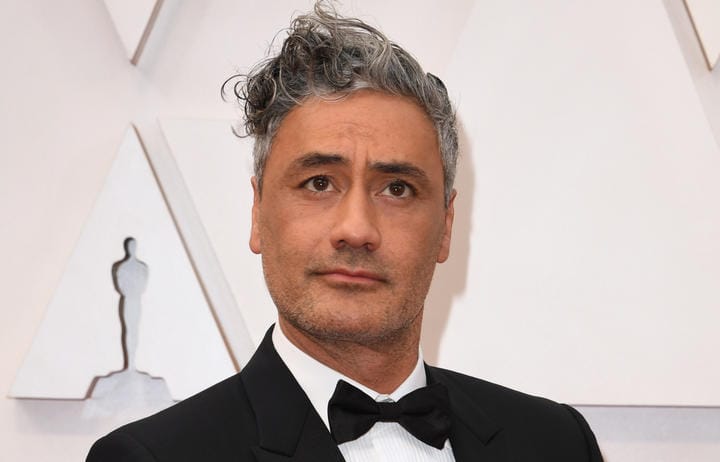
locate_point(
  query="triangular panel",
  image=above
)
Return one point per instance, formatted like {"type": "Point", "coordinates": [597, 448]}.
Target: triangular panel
{"type": "Point", "coordinates": [79, 338]}
{"type": "Point", "coordinates": [133, 21]}
{"type": "Point", "coordinates": [705, 15]}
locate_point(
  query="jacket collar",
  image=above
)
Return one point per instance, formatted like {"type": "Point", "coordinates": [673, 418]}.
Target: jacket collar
{"type": "Point", "coordinates": [473, 435]}
{"type": "Point", "coordinates": [289, 429]}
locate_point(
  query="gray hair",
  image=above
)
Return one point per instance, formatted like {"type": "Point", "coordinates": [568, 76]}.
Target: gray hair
{"type": "Point", "coordinates": [330, 56]}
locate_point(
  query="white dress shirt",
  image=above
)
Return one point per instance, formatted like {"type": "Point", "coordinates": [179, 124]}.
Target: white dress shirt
{"type": "Point", "coordinates": [386, 441]}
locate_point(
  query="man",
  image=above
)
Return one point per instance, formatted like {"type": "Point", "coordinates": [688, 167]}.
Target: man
{"type": "Point", "coordinates": [355, 153]}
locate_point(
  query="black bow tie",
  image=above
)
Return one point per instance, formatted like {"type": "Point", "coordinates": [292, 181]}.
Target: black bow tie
{"type": "Point", "coordinates": [425, 413]}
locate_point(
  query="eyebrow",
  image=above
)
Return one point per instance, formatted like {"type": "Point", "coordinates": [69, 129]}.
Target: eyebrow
{"type": "Point", "coordinates": [400, 168]}
{"type": "Point", "coordinates": [316, 159]}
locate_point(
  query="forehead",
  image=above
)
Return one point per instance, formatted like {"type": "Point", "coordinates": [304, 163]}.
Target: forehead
{"type": "Point", "coordinates": [364, 127]}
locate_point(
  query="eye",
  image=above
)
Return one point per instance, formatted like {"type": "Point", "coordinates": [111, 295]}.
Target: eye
{"type": "Point", "coordinates": [318, 184]}
{"type": "Point", "coordinates": [398, 189]}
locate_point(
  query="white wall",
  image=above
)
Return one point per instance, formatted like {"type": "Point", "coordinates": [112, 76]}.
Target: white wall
{"type": "Point", "coordinates": [68, 93]}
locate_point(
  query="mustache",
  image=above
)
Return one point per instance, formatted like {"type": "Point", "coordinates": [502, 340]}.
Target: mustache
{"type": "Point", "coordinates": [350, 259]}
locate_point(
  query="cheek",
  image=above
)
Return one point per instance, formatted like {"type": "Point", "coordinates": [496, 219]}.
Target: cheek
{"type": "Point", "coordinates": [418, 237]}
{"type": "Point", "coordinates": [290, 232]}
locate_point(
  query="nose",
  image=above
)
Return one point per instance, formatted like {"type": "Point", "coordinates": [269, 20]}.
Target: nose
{"type": "Point", "coordinates": [355, 223]}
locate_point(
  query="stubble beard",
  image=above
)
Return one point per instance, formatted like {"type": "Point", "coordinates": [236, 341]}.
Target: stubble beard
{"type": "Point", "coordinates": [379, 318]}
{"type": "Point", "coordinates": [315, 321]}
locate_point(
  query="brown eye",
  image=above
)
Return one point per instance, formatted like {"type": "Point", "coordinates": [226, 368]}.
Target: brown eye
{"type": "Point", "coordinates": [318, 184]}
{"type": "Point", "coordinates": [398, 189]}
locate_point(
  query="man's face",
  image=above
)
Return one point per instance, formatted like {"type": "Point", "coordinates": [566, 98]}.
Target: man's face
{"type": "Point", "coordinates": [351, 219]}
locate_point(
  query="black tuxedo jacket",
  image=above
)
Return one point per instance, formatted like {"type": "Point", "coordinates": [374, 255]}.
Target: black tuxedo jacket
{"type": "Point", "coordinates": [262, 414]}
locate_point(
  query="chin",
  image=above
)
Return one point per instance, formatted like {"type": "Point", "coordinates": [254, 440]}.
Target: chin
{"type": "Point", "coordinates": [359, 327]}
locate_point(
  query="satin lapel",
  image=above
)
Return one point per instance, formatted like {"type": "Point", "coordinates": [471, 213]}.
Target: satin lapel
{"type": "Point", "coordinates": [314, 445]}
{"type": "Point", "coordinates": [289, 429]}
{"type": "Point", "coordinates": [473, 435]}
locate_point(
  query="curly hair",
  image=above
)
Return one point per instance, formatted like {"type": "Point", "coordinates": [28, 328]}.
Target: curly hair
{"type": "Point", "coordinates": [329, 56]}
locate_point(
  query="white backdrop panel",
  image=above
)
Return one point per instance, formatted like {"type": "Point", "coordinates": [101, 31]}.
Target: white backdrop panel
{"type": "Point", "coordinates": [80, 336]}
{"type": "Point", "coordinates": [593, 257]}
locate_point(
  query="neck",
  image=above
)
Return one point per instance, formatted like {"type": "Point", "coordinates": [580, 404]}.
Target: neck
{"type": "Point", "coordinates": [381, 366]}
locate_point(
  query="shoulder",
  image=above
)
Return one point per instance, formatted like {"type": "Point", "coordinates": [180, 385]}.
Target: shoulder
{"type": "Point", "coordinates": [530, 423]}
{"type": "Point", "coordinates": [495, 399]}
{"type": "Point", "coordinates": [211, 425]}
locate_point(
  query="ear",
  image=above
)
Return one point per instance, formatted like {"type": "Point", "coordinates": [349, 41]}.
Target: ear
{"type": "Point", "coordinates": [255, 227]}
{"type": "Point", "coordinates": [444, 252]}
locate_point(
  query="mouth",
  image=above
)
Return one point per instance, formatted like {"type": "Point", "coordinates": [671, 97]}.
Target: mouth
{"type": "Point", "coordinates": [351, 276]}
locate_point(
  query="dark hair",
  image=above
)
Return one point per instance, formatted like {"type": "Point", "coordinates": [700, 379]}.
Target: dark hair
{"type": "Point", "coordinates": [331, 56]}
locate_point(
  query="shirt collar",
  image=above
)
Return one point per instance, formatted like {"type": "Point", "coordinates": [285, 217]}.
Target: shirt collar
{"type": "Point", "coordinates": [318, 381]}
